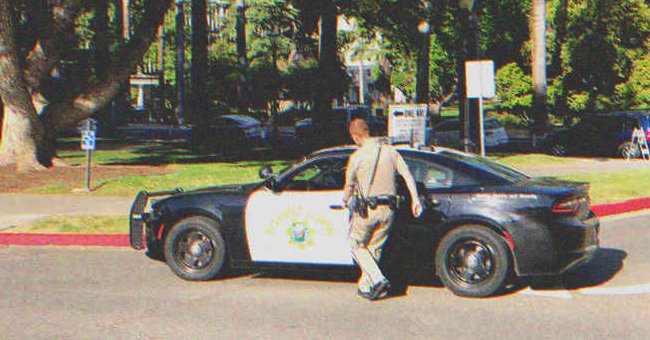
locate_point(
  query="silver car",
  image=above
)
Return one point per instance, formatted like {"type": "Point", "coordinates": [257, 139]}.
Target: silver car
{"type": "Point", "coordinates": [447, 133]}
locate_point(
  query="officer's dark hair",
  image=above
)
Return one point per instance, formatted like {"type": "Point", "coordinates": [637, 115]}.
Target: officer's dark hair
{"type": "Point", "coordinates": [359, 126]}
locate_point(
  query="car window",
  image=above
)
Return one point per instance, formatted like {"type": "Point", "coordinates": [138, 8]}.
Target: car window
{"type": "Point", "coordinates": [243, 119]}
{"type": "Point", "coordinates": [452, 125]}
{"type": "Point", "coordinates": [225, 121]}
{"type": "Point", "coordinates": [502, 171]}
{"type": "Point", "coordinates": [491, 124]}
{"type": "Point", "coordinates": [430, 174]}
{"type": "Point", "coordinates": [323, 174]}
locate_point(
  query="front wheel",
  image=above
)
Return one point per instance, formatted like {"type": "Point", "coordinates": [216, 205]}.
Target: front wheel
{"type": "Point", "coordinates": [195, 249]}
{"type": "Point", "coordinates": [473, 261]}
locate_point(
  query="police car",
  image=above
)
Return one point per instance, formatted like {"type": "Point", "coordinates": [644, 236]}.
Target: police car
{"type": "Point", "coordinates": [483, 223]}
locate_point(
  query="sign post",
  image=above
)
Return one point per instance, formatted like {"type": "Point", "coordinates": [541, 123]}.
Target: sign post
{"type": "Point", "coordinates": [479, 77]}
{"type": "Point", "coordinates": [88, 142]}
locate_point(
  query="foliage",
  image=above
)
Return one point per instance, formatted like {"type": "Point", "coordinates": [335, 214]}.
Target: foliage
{"type": "Point", "coordinates": [513, 90]}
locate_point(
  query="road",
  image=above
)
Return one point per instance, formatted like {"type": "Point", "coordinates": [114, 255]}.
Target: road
{"type": "Point", "coordinates": [82, 293]}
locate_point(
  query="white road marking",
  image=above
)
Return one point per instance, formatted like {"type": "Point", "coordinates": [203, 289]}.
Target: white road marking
{"type": "Point", "coordinates": [624, 290]}
{"type": "Point", "coordinates": [558, 294]}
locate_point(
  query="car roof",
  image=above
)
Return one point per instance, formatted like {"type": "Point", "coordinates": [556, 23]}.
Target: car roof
{"type": "Point", "coordinates": [241, 118]}
{"type": "Point", "coordinates": [348, 149]}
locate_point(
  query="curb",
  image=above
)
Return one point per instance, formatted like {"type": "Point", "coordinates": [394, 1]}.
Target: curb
{"type": "Point", "coordinates": [122, 240]}
{"type": "Point", "coordinates": [97, 240]}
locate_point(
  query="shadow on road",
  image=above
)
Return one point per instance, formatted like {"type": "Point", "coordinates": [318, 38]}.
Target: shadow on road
{"type": "Point", "coordinates": [605, 265]}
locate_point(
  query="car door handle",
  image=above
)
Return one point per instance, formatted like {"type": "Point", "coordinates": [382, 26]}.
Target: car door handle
{"type": "Point", "coordinates": [336, 207]}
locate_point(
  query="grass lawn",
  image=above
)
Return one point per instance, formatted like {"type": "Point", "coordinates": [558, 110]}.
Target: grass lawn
{"type": "Point", "coordinates": [77, 225]}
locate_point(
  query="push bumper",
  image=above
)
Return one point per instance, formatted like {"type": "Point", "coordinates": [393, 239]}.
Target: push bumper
{"type": "Point", "coordinates": [138, 217]}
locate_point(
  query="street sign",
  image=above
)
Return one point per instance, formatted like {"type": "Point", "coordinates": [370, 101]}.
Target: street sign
{"type": "Point", "coordinates": [479, 77]}
{"type": "Point", "coordinates": [480, 83]}
{"type": "Point", "coordinates": [88, 140]}
{"type": "Point", "coordinates": [88, 124]}
{"type": "Point", "coordinates": [407, 123]}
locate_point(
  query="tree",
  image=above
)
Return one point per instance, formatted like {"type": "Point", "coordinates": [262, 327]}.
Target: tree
{"type": "Point", "coordinates": [538, 66]}
{"type": "Point", "coordinates": [35, 107]}
{"type": "Point", "coordinates": [200, 98]}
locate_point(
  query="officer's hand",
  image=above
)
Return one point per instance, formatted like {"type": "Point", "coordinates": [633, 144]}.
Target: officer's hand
{"type": "Point", "coordinates": [416, 208]}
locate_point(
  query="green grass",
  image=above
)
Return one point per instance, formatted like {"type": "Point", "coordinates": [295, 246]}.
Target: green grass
{"type": "Point", "coordinates": [186, 176]}
{"type": "Point", "coordinates": [533, 160]}
{"type": "Point", "coordinates": [612, 187]}
{"type": "Point", "coordinates": [77, 225]}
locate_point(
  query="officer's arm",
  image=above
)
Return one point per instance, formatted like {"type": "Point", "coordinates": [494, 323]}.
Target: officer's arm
{"type": "Point", "coordinates": [350, 180]}
{"type": "Point", "coordinates": [403, 170]}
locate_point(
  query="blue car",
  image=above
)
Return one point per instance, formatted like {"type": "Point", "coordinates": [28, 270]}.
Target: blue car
{"type": "Point", "coordinates": [604, 135]}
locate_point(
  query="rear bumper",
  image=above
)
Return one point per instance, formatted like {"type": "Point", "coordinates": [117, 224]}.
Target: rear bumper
{"type": "Point", "coordinates": [554, 248]}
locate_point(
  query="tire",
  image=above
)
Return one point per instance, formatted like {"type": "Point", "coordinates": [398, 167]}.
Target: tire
{"type": "Point", "coordinates": [473, 261]}
{"type": "Point", "coordinates": [628, 150]}
{"type": "Point", "coordinates": [195, 249]}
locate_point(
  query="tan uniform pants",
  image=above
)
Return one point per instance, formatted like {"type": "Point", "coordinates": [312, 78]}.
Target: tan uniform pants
{"type": "Point", "coordinates": [367, 237]}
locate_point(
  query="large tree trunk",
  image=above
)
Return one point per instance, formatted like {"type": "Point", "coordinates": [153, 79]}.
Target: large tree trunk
{"type": "Point", "coordinates": [21, 129]}
{"type": "Point", "coordinates": [29, 139]}
{"type": "Point", "coordinates": [242, 84]}
{"type": "Point", "coordinates": [538, 66]}
{"type": "Point", "coordinates": [327, 61]}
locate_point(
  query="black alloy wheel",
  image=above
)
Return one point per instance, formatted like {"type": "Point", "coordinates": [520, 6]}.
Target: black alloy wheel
{"type": "Point", "coordinates": [473, 261]}
{"type": "Point", "coordinates": [195, 249]}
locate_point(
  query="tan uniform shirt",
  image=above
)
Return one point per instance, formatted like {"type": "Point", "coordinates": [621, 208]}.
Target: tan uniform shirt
{"type": "Point", "coordinates": [362, 162]}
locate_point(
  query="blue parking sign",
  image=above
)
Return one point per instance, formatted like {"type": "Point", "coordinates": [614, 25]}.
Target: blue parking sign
{"type": "Point", "coordinates": [87, 140]}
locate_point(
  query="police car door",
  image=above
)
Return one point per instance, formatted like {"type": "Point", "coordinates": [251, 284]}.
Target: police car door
{"type": "Point", "coordinates": [303, 220]}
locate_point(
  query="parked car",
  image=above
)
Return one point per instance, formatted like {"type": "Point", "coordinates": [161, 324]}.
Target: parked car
{"type": "Point", "coordinates": [447, 133]}
{"type": "Point", "coordinates": [336, 125]}
{"type": "Point", "coordinates": [608, 135]}
{"type": "Point", "coordinates": [232, 132]}
{"type": "Point", "coordinates": [482, 222]}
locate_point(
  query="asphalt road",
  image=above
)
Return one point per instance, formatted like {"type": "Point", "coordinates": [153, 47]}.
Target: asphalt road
{"type": "Point", "coordinates": [119, 293]}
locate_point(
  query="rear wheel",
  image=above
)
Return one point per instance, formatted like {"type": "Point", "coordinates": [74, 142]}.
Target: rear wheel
{"type": "Point", "coordinates": [473, 261]}
{"type": "Point", "coordinates": [195, 249]}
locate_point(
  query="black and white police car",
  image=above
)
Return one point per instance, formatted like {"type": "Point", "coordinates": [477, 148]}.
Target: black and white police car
{"type": "Point", "coordinates": [483, 222]}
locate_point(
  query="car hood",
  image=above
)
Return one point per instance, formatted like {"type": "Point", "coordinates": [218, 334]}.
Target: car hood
{"type": "Point", "coordinates": [239, 190]}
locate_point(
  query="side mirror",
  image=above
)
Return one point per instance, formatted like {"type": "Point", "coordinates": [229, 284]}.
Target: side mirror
{"type": "Point", "coordinates": [265, 172]}
{"type": "Point", "coordinates": [271, 184]}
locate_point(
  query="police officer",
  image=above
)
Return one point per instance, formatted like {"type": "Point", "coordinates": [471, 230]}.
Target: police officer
{"type": "Point", "coordinates": [371, 170]}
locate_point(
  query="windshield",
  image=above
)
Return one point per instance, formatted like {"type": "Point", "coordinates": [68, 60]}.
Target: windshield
{"type": "Point", "coordinates": [498, 169]}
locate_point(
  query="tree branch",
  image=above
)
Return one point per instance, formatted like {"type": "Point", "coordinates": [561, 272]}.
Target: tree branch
{"type": "Point", "coordinates": [129, 55]}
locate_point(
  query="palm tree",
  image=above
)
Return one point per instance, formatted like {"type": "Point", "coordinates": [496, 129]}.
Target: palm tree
{"type": "Point", "coordinates": [538, 66]}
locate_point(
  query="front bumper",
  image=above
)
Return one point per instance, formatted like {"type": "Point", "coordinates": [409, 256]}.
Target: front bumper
{"type": "Point", "coordinates": [138, 217]}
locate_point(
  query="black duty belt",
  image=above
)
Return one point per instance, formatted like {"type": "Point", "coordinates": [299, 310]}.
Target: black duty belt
{"type": "Point", "coordinates": [390, 200]}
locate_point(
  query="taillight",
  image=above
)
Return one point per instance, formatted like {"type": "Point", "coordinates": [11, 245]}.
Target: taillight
{"type": "Point", "coordinates": [566, 206]}
{"type": "Point", "coordinates": [647, 135]}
